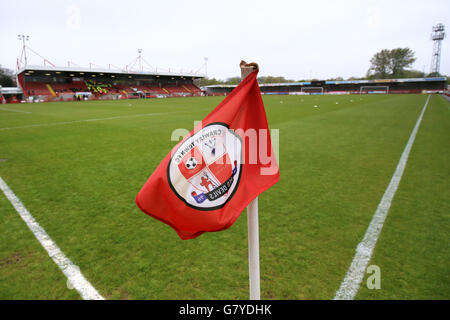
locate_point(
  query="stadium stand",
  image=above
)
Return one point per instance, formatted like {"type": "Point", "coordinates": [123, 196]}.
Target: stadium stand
{"type": "Point", "coordinates": [391, 86]}
{"type": "Point", "coordinates": [192, 88]}
{"type": "Point", "coordinates": [157, 90]}
{"type": "Point", "coordinates": [37, 83]}
{"type": "Point", "coordinates": [58, 83]}
{"type": "Point", "coordinates": [36, 88]}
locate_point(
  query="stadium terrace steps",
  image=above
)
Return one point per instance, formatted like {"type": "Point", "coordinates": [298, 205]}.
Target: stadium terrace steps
{"type": "Point", "coordinates": [36, 89]}
{"type": "Point", "coordinates": [187, 89]}
{"type": "Point", "coordinates": [58, 89]}
{"type": "Point", "coordinates": [54, 89]}
{"type": "Point", "coordinates": [178, 89]}
{"type": "Point", "coordinates": [69, 86]}
{"type": "Point", "coordinates": [193, 88]}
{"type": "Point", "coordinates": [157, 90]}
{"type": "Point", "coordinates": [49, 87]}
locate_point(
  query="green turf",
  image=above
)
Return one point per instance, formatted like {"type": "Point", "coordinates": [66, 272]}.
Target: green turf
{"type": "Point", "coordinates": [79, 180]}
{"type": "Point", "coordinates": [413, 252]}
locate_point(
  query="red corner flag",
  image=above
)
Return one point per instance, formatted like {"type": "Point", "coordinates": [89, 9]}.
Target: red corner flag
{"type": "Point", "coordinates": [209, 177]}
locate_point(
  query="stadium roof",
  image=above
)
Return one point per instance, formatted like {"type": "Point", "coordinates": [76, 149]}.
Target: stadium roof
{"type": "Point", "coordinates": [10, 90]}
{"type": "Point", "coordinates": [307, 83]}
{"type": "Point", "coordinates": [109, 71]}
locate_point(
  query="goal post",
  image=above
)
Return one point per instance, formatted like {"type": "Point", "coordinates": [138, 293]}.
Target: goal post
{"type": "Point", "coordinates": [312, 90]}
{"type": "Point", "coordinates": [374, 89]}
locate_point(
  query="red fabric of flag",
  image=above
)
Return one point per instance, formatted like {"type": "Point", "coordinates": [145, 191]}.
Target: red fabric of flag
{"type": "Point", "coordinates": [209, 177]}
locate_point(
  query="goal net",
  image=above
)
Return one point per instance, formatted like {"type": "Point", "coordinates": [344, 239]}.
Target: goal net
{"type": "Point", "coordinates": [312, 90]}
{"type": "Point", "coordinates": [374, 90]}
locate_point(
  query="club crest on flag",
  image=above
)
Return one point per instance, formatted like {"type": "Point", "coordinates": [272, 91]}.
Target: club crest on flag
{"type": "Point", "coordinates": [206, 181]}
{"type": "Point", "coordinates": [204, 171]}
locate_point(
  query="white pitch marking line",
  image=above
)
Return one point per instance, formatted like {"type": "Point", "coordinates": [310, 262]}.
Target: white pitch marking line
{"type": "Point", "coordinates": [70, 270]}
{"type": "Point", "coordinates": [84, 120]}
{"type": "Point", "coordinates": [12, 110]}
{"type": "Point", "coordinates": [355, 274]}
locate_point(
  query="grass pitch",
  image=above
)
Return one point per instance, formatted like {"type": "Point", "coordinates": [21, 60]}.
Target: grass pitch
{"type": "Point", "coordinates": [78, 166]}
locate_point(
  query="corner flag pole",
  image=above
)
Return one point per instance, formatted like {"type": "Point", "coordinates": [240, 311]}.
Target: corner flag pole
{"type": "Point", "coordinates": [253, 228]}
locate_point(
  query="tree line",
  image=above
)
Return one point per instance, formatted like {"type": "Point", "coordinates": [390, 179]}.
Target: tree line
{"type": "Point", "coordinates": [6, 78]}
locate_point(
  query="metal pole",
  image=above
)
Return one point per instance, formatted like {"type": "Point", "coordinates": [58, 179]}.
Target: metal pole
{"type": "Point", "coordinates": [253, 232]}
{"type": "Point", "coordinates": [24, 51]}
{"type": "Point", "coordinates": [253, 250]}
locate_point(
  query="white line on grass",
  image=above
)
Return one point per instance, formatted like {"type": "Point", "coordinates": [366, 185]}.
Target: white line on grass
{"type": "Point", "coordinates": [71, 271]}
{"type": "Point", "coordinates": [84, 120]}
{"type": "Point", "coordinates": [355, 274]}
{"type": "Point", "coordinates": [12, 110]}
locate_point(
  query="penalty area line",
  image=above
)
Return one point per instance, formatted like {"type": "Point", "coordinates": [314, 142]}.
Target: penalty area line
{"type": "Point", "coordinates": [84, 120]}
{"type": "Point", "coordinates": [12, 110]}
{"type": "Point", "coordinates": [355, 274]}
{"type": "Point", "coordinates": [71, 271]}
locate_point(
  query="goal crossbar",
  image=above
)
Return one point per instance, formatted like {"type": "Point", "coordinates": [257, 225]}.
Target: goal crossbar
{"type": "Point", "coordinates": [304, 89]}
{"type": "Point", "coordinates": [374, 89]}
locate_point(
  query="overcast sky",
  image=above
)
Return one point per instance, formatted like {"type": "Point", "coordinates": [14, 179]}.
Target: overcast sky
{"type": "Point", "coordinates": [294, 39]}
